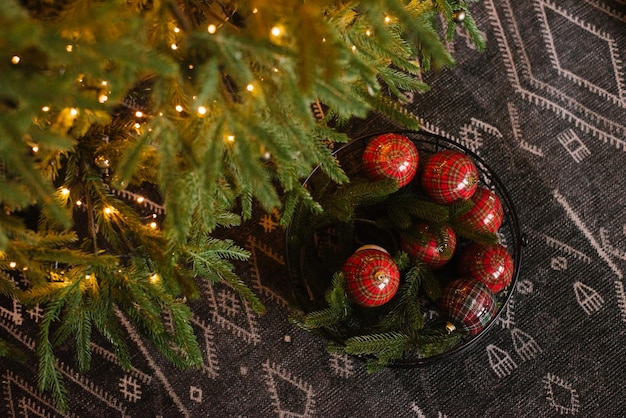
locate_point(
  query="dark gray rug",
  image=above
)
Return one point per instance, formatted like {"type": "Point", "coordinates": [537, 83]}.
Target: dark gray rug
{"type": "Point", "coordinates": [545, 105]}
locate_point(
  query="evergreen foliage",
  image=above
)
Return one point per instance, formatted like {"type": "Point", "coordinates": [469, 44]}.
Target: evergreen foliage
{"type": "Point", "coordinates": [116, 111]}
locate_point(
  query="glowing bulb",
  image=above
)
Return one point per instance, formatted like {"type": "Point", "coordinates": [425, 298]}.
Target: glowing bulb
{"type": "Point", "coordinates": [103, 98]}
{"type": "Point", "coordinates": [73, 111]}
{"type": "Point", "coordinates": [69, 48]}
{"type": "Point", "coordinates": [65, 191]}
{"type": "Point", "coordinates": [255, 10]}
{"type": "Point", "coordinates": [137, 125]}
{"type": "Point", "coordinates": [230, 138]}
{"type": "Point", "coordinates": [174, 47]}
{"type": "Point", "coordinates": [202, 110]}
{"type": "Point", "coordinates": [104, 82]}
{"type": "Point", "coordinates": [211, 28]}
{"type": "Point", "coordinates": [353, 48]}
{"type": "Point", "coordinates": [88, 276]}
{"type": "Point", "coordinates": [275, 69]}
{"type": "Point", "coordinates": [153, 225]}
{"type": "Point", "coordinates": [179, 108]}
{"type": "Point", "coordinates": [176, 30]}
{"type": "Point", "coordinates": [139, 114]}
{"type": "Point", "coordinates": [250, 87]}
{"type": "Point", "coordinates": [191, 66]}
{"type": "Point", "coordinates": [108, 210]}
{"type": "Point", "coordinates": [12, 264]}
{"type": "Point", "coordinates": [387, 19]}
{"type": "Point", "coordinates": [140, 199]}
{"type": "Point", "coordinates": [276, 31]}
{"type": "Point", "coordinates": [154, 279]}
{"type": "Point", "coordinates": [46, 108]}
{"type": "Point", "coordinates": [35, 148]}
{"type": "Point", "coordinates": [15, 59]}
{"type": "Point", "coordinates": [79, 203]}
{"type": "Point", "coordinates": [368, 32]}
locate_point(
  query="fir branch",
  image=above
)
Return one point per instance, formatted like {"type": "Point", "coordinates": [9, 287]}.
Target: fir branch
{"type": "Point", "coordinates": [11, 352]}
{"type": "Point", "coordinates": [432, 344]}
{"type": "Point", "coordinates": [341, 205]}
{"type": "Point", "coordinates": [467, 231]}
{"type": "Point", "coordinates": [49, 376]}
{"type": "Point", "coordinates": [405, 205]}
{"type": "Point", "coordinates": [431, 285]}
{"type": "Point", "coordinates": [385, 347]}
{"type": "Point", "coordinates": [324, 318]}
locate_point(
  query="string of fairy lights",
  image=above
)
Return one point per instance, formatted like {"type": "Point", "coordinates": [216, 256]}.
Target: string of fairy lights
{"type": "Point", "coordinates": [276, 32]}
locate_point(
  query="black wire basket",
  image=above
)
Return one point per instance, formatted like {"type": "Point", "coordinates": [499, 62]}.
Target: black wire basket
{"type": "Point", "coordinates": [311, 273]}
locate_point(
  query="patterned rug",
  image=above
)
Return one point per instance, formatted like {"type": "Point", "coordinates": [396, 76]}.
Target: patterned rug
{"type": "Point", "coordinates": [545, 105]}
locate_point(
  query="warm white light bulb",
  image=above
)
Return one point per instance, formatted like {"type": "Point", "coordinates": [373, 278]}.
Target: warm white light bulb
{"type": "Point", "coordinates": [65, 191]}
{"type": "Point", "coordinates": [276, 31]}
{"type": "Point", "coordinates": [174, 47]}
{"type": "Point", "coordinates": [46, 108]}
{"type": "Point", "coordinates": [176, 30]}
{"type": "Point", "coordinates": [250, 87]}
{"type": "Point", "coordinates": [179, 108]}
{"type": "Point", "coordinates": [153, 225]}
{"type": "Point", "coordinates": [12, 264]}
{"type": "Point", "coordinates": [35, 148]}
{"type": "Point", "coordinates": [103, 98]}
{"type": "Point", "coordinates": [202, 110]}
{"type": "Point", "coordinates": [108, 210]}
{"type": "Point", "coordinates": [140, 199]}
{"type": "Point", "coordinates": [69, 48]}
{"type": "Point", "coordinates": [212, 28]}
{"type": "Point", "coordinates": [73, 111]}
{"type": "Point", "coordinates": [139, 114]}
{"type": "Point", "coordinates": [15, 59]}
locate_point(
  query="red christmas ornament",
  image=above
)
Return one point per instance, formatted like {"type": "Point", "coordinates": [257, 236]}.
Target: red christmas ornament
{"type": "Point", "coordinates": [486, 215]}
{"type": "Point", "coordinates": [449, 176]}
{"type": "Point", "coordinates": [391, 156]}
{"type": "Point", "coordinates": [432, 245]}
{"type": "Point", "coordinates": [372, 277]}
{"type": "Point", "coordinates": [489, 264]}
{"type": "Point", "coordinates": [468, 304]}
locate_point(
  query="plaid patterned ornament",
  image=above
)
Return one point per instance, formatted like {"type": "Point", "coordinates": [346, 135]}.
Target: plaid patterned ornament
{"type": "Point", "coordinates": [489, 264]}
{"type": "Point", "coordinates": [468, 304]}
{"type": "Point", "coordinates": [372, 277]}
{"type": "Point", "coordinates": [391, 156]}
{"type": "Point", "coordinates": [449, 176]}
{"type": "Point", "coordinates": [486, 215]}
{"type": "Point", "coordinates": [433, 245]}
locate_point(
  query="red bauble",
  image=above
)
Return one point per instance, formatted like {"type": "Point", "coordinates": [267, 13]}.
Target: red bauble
{"type": "Point", "coordinates": [468, 304]}
{"type": "Point", "coordinates": [372, 277]}
{"type": "Point", "coordinates": [486, 215]}
{"type": "Point", "coordinates": [449, 176]}
{"type": "Point", "coordinates": [391, 156]}
{"type": "Point", "coordinates": [489, 264]}
{"type": "Point", "coordinates": [432, 245]}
